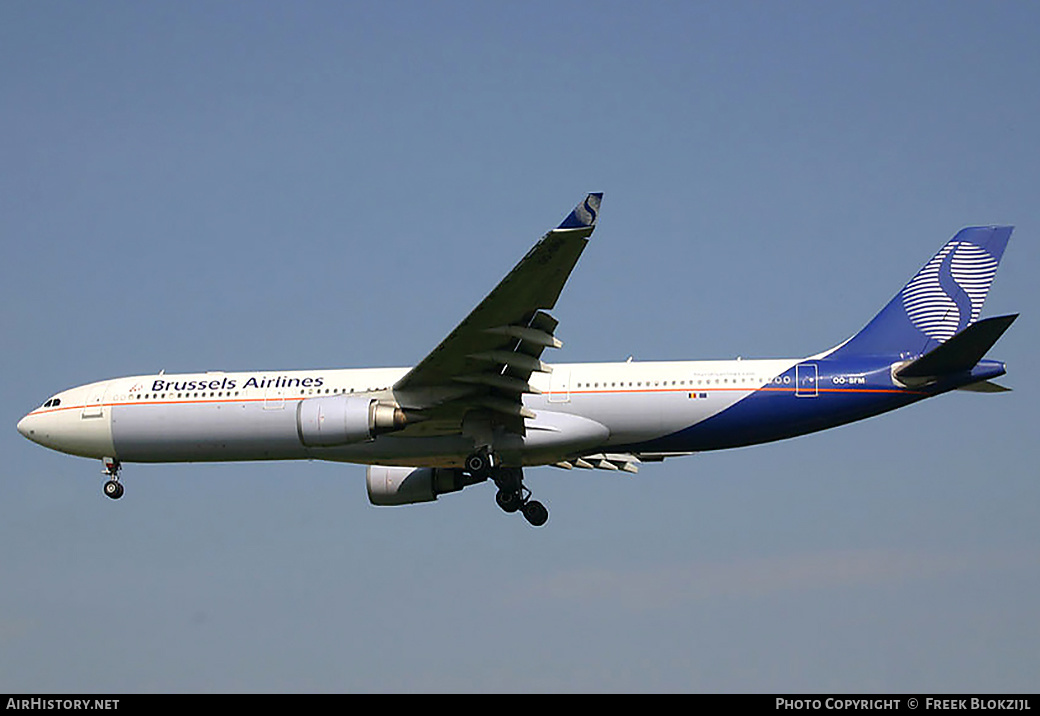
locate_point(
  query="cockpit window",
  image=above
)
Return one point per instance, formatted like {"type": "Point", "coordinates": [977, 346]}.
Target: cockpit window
{"type": "Point", "coordinates": [52, 403]}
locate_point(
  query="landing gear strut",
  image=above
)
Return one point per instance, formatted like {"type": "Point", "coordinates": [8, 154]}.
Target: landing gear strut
{"type": "Point", "coordinates": [481, 463]}
{"type": "Point", "coordinates": [113, 488]}
{"type": "Point", "coordinates": [512, 495]}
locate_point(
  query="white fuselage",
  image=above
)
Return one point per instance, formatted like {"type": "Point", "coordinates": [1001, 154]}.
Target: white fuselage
{"type": "Point", "coordinates": [217, 416]}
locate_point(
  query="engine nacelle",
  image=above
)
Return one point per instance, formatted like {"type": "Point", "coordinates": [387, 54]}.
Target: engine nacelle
{"type": "Point", "coordinates": [345, 419]}
{"type": "Point", "coordinates": [409, 485]}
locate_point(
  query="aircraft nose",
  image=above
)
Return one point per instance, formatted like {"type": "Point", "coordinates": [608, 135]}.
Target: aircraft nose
{"type": "Point", "coordinates": [33, 428]}
{"type": "Point", "coordinates": [23, 427]}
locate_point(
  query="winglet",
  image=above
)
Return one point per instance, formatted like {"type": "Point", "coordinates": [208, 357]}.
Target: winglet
{"type": "Point", "coordinates": [584, 214]}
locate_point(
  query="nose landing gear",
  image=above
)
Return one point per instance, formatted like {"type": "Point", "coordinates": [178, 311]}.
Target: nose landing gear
{"type": "Point", "coordinates": [113, 488]}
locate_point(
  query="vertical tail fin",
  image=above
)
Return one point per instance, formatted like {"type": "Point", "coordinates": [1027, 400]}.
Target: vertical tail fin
{"type": "Point", "coordinates": [944, 298]}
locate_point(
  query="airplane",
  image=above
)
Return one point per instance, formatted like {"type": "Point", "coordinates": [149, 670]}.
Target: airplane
{"type": "Point", "coordinates": [483, 405]}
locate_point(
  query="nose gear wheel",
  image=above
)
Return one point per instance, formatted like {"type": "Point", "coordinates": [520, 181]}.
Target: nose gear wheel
{"type": "Point", "coordinates": [113, 488]}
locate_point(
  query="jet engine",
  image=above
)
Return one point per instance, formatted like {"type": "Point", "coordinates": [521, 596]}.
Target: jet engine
{"type": "Point", "coordinates": [408, 485]}
{"type": "Point", "coordinates": [344, 419]}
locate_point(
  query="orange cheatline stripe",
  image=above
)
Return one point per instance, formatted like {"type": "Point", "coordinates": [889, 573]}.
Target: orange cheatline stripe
{"type": "Point", "coordinates": [165, 402]}
{"type": "Point", "coordinates": [687, 389]}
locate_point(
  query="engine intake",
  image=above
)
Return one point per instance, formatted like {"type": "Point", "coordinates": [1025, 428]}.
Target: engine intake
{"type": "Point", "coordinates": [343, 419]}
{"type": "Point", "coordinates": [409, 485]}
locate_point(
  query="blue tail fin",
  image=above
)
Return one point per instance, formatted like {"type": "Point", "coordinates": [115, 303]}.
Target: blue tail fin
{"type": "Point", "coordinates": [944, 298]}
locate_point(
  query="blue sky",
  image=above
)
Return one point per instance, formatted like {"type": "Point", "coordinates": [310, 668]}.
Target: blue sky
{"type": "Point", "coordinates": [243, 186]}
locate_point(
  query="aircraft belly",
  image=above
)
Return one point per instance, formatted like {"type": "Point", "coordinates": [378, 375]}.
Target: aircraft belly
{"type": "Point", "coordinates": [549, 437]}
{"type": "Point", "coordinates": [204, 432]}
{"type": "Point", "coordinates": [393, 450]}
{"type": "Point", "coordinates": [636, 417]}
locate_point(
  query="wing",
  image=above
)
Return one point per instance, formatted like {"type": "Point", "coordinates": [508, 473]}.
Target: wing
{"type": "Point", "coordinates": [483, 368]}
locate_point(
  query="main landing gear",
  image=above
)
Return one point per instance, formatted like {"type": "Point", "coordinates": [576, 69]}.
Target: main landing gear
{"type": "Point", "coordinates": [512, 495]}
{"type": "Point", "coordinates": [113, 487]}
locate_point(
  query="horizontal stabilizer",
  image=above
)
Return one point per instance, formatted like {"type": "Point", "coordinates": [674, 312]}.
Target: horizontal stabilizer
{"type": "Point", "coordinates": [961, 352]}
{"type": "Point", "coordinates": [985, 386]}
